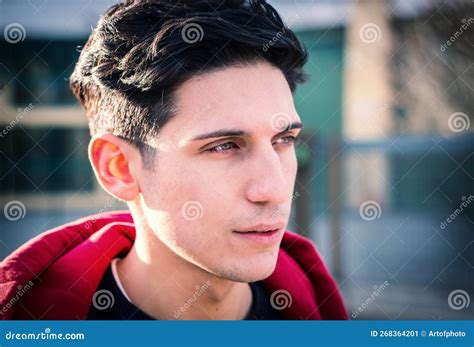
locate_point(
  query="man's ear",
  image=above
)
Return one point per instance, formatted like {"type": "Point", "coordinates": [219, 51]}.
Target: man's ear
{"type": "Point", "coordinates": [115, 163]}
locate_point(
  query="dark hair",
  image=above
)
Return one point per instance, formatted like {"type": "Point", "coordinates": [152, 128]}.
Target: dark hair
{"type": "Point", "coordinates": [141, 51]}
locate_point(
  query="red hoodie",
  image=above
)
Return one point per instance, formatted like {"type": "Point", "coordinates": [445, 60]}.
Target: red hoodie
{"type": "Point", "coordinates": [55, 275]}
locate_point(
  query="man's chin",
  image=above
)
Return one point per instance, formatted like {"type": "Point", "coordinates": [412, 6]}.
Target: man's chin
{"type": "Point", "coordinates": [253, 271]}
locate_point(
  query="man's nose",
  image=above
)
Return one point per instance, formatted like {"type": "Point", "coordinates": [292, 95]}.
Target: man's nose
{"type": "Point", "coordinates": [268, 183]}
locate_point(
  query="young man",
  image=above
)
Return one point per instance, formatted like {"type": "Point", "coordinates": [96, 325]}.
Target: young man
{"type": "Point", "coordinates": [193, 126]}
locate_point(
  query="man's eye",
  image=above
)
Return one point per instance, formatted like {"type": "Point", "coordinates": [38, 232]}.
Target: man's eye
{"type": "Point", "coordinates": [222, 148]}
{"type": "Point", "coordinates": [288, 139]}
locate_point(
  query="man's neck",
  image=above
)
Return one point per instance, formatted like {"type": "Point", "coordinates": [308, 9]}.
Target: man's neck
{"type": "Point", "coordinates": [166, 286]}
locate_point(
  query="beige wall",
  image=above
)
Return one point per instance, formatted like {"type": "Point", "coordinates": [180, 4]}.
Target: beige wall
{"type": "Point", "coordinates": [367, 98]}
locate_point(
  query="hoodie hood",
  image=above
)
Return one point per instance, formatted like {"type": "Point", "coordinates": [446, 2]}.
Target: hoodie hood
{"type": "Point", "coordinates": [55, 275]}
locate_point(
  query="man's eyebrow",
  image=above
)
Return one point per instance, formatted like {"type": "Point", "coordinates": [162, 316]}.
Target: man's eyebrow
{"type": "Point", "coordinates": [294, 125]}
{"type": "Point", "coordinates": [230, 132]}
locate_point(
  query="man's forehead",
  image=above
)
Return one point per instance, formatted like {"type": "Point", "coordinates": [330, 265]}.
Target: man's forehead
{"type": "Point", "coordinates": [235, 90]}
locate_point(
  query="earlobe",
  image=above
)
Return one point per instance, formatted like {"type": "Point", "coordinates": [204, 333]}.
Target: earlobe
{"type": "Point", "coordinates": [111, 159]}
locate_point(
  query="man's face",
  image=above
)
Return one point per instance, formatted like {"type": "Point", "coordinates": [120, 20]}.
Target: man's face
{"type": "Point", "coordinates": [205, 188]}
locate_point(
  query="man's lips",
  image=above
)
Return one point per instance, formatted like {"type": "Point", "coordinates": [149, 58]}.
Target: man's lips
{"type": "Point", "coordinates": [262, 228]}
{"type": "Point", "coordinates": [256, 232]}
{"type": "Point", "coordinates": [266, 238]}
